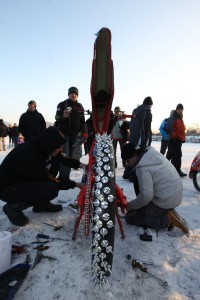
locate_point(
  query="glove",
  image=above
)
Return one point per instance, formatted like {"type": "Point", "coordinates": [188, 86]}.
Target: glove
{"type": "Point", "coordinates": [67, 184]}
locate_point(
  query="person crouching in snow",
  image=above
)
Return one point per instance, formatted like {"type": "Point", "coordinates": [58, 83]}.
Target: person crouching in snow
{"type": "Point", "coordinates": [24, 178]}
{"type": "Point", "coordinates": [159, 190]}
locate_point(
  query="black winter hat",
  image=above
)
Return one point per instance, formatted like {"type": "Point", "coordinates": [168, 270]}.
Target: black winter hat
{"type": "Point", "coordinates": [73, 89]}
{"type": "Point", "coordinates": [128, 151]}
{"type": "Point", "coordinates": [148, 101]}
{"type": "Point", "coordinates": [32, 102]}
{"type": "Point", "coordinates": [51, 139]}
{"type": "Point", "coordinates": [179, 106]}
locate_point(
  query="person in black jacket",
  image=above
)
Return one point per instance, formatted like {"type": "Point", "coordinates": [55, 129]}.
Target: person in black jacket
{"type": "Point", "coordinates": [14, 132]}
{"type": "Point", "coordinates": [140, 130]}
{"type": "Point", "coordinates": [140, 126]}
{"type": "Point", "coordinates": [31, 123]}
{"type": "Point", "coordinates": [25, 180]}
{"type": "Point", "coordinates": [70, 120]}
{"type": "Point", "coordinates": [3, 134]}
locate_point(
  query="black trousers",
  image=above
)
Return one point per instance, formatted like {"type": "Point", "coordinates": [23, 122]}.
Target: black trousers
{"type": "Point", "coordinates": [121, 144]}
{"type": "Point", "coordinates": [150, 216]}
{"type": "Point", "coordinates": [166, 146]}
{"type": "Point", "coordinates": [177, 154]}
{"type": "Point", "coordinates": [32, 193]}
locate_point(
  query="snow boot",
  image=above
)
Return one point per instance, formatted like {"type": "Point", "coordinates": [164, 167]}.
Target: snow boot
{"type": "Point", "coordinates": [176, 220]}
{"type": "Point", "coordinates": [74, 207]}
{"type": "Point", "coordinates": [181, 174]}
{"type": "Point", "coordinates": [47, 207]}
{"type": "Point", "coordinates": [15, 214]}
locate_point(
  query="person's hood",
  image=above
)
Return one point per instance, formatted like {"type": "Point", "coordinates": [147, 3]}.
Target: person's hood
{"type": "Point", "coordinates": [50, 140]}
{"type": "Point", "coordinates": [137, 111]}
{"type": "Point", "coordinates": [150, 158]}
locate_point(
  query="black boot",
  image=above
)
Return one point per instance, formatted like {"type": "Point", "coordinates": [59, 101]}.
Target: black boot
{"type": "Point", "coordinates": [181, 174]}
{"type": "Point", "coordinates": [48, 207]}
{"type": "Point", "coordinates": [15, 214]}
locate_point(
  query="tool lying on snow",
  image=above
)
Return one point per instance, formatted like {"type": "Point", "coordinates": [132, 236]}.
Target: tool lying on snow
{"type": "Point", "coordinates": [82, 140]}
{"type": "Point", "coordinates": [138, 264]}
{"type": "Point", "coordinates": [56, 227]}
{"type": "Point", "coordinates": [147, 235]}
{"type": "Point", "coordinates": [148, 263]}
{"type": "Point", "coordinates": [18, 249]}
{"type": "Point", "coordinates": [41, 247]}
{"type": "Point", "coordinates": [47, 237]}
{"type": "Point", "coordinates": [41, 243]}
{"type": "Point", "coordinates": [39, 256]}
{"type": "Point", "coordinates": [27, 259]}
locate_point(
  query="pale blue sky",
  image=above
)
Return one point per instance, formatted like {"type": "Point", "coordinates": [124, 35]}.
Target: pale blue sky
{"type": "Point", "coordinates": [47, 46]}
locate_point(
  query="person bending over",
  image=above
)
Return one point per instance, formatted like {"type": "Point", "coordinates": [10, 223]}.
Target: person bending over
{"type": "Point", "coordinates": [159, 190]}
{"type": "Point", "coordinates": [25, 180]}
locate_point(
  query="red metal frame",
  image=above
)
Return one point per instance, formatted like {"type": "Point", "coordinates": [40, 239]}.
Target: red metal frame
{"type": "Point", "coordinates": [102, 92]}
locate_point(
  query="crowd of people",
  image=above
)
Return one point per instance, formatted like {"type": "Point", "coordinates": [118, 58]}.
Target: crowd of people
{"type": "Point", "coordinates": [60, 147]}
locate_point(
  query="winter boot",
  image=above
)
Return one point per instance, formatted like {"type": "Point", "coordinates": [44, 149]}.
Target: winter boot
{"type": "Point", "coordinates": [175, 220]}
{"type": "Point", "coordinates": [47, 207]}
{"type": "Point", "coordinates": [15, 214]}
{"type": "Point", "coordinates": [74, 206]}
{"type": "Point", "coordinates": [181, 174]}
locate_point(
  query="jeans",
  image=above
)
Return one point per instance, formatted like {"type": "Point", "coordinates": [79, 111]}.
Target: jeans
{"type": "Point", "coordinates": [68, 150]}
{"type": "Point", "coordinates": [148, 216]}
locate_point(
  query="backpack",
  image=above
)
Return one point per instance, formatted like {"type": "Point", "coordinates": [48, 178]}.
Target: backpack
{"type": "Point", "coordinates": [165, 125]}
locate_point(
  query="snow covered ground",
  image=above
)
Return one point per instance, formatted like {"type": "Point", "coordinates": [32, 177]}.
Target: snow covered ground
{"type": "Point", "coordinates": [175, 257]}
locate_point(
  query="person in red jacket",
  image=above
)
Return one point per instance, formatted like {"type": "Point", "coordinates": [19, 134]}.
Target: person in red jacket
{"type": "Point", "coordinates": [176, 130]}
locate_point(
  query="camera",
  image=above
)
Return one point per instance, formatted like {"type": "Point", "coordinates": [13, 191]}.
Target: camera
{"type": "Point", "coordinates": [69, 109]}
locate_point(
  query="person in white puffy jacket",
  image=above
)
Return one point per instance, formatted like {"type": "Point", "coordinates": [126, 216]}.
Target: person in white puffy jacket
{"type": "Point", "coordinates": [158, 190]}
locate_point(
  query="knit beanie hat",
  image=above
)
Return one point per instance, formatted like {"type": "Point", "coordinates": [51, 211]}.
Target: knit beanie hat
{"type": "Point", "coordinates": [32, 102]}
{"type": "Point", "coordinates": [179, 106]}
{"type": "Point", "coordinates": [117, 108]}
{"type": "Point", "coordinates": [128, 151]}
{"type": "Point", "coordinates": [148, 101]}
{"type": "Point", "coordinates": [73, 89]}
{"type": "Point", "coordinates": [51, 139]}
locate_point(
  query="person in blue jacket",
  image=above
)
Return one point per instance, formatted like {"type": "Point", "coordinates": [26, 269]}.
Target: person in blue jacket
{"type": "Point", "coordinates": [165, 142]}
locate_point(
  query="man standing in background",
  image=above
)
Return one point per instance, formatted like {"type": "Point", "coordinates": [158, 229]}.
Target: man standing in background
{"type": "Point", "coordinates": [140, 126]}
{"type": "Point", "coordinates": [3, 134]}
{"type": "Point", "coordinates": [140, 130]}
{"type": "Point", "coordinates": [176, 130]}
{"type": "Point", "coordinates": [119, 131]}
{"type": "Point", "coordinates": [31, 123]}
{"type": "Point", "coordinates": [165, 142]}
{"type": "Point", "coordinates": [71, 122]}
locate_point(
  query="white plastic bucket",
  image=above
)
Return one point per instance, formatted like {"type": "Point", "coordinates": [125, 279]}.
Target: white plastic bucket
{"type": "Point", "coordinates": [5, 250]}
